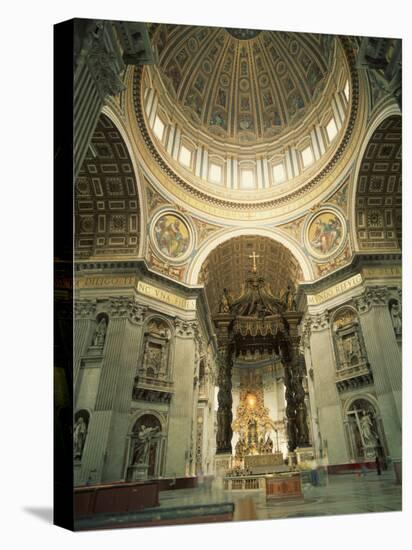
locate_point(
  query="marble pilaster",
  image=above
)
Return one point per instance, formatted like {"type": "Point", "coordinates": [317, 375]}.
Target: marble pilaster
{"type": "Point", "coordinates": [84, 316]}
{"type": "Point", "coordinates": [179, 439]}
{"type": "Point", "coordinates": [385, 361]}
{"type": "Point", "coordinates": [325, 393]}
{"type": "Point", "coordinates": [102, 458]}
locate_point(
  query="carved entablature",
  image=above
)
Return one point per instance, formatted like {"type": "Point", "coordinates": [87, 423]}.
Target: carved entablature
{"type": "Point", "coordinates": [84, 309]}
{"type": "Point", "coordinates": [320, 321]}
{"type": "Point", "coordinates": [123, 306]}
{"type": "Point", "coordinates": [104, 66]}
{"type": "Point", "coordinates": [185, 329]}
{"type": "Point", "coordinates": [372, 296]}
{"type": "Point", "coordinates": [161, 394]}
{"type": "Point", "coordinates": [306, 332]}
{"type": "Point", "coordinates": [352, 367]}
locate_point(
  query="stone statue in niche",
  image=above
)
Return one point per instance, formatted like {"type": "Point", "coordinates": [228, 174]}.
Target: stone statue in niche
{"type": "Point", "coordinates": [348, 340]}
{"type": "Point", "coordinates": [100, 334]}
{"type": "Point", "coordinates": [154, 363]}
{"type": "Point", "coordinates": [145, 437]}
{"type": "Point", "coordinates": [241, 447]}
{"type": "Point", "coordinates": [288, 298]}
{"type": "Point", "coordinates": [367, 431]}
{"type": "Point", "coordinates": [268, 448]}
{"type": "Point", "coordinates": [79, 437]}
{"type": "Point", "coordinates": [396, 316]}
{"type": "Point", "coordinates": [351, 348]}
{"type": "Point", "coordinates": [153, 360]}
{"type": "Point", "coordinates": [224, 306]}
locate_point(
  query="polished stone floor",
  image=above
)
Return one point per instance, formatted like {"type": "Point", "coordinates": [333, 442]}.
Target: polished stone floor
{"type": "Point", "coordinates": [342, 494]}
{"type": "Point", "coordinates": [339, 494]}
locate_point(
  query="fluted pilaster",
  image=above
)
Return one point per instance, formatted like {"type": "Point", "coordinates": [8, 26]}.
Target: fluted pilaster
{"type": "Point", "coordinates": [330, 427]}
{"type": "Point", "coordinates": [181, 405]}
{"type": "Point", "coordinates": [385, 361]}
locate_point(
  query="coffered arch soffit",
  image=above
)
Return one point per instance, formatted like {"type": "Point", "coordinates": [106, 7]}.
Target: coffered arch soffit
{"type": "Point", "coordinates": [278, 239]}
{"type": "Point", "coordinates": [229, 264]}
{"type": "Point", "coordinates": [376, 186]}
{"type": "Point", "coordinates": [109, 210]}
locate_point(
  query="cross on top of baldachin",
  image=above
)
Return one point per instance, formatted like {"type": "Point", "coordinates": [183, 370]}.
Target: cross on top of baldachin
{"type": "Point", "coordinates": [254, 257]}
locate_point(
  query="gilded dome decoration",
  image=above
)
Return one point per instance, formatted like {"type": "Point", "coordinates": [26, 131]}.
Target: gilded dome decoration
{"type": "Point", "coordinates": [245, 116]}
{"type": "Point", "coordinates": [246, 87]}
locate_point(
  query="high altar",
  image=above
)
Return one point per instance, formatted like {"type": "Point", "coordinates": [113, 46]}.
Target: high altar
{"type": "Point", "coordinates": [257, 448]}
{"type": "Point", "coordinates": [257, 335]}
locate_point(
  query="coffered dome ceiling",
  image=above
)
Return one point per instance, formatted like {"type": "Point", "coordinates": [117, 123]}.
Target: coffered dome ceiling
{"type": "Point", "coordinates": [245, 90]}
{"type": "Point", "coordinates": [245, 118]}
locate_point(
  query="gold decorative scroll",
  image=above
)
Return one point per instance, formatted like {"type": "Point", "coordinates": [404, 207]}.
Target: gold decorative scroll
{"type": "Point", "coordinates": [165, 296]}
{"type": "Point", "coordinates": [336, 290]}
{"type": "Point", "coordinates": [105, 281]}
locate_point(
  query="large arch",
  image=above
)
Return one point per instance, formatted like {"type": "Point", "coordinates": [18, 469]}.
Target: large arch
{"type": "Point", "coordinates": [376, 186]}
{"type": "Point", "coordinates": [109, 216]}
{"type": "Point", "coordinates": [219, 238]}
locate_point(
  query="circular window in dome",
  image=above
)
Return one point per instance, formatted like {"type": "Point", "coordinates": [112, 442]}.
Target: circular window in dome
{"type": "Point", "coordinates": [243, 34]}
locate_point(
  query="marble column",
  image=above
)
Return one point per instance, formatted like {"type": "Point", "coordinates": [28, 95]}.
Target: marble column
{"type": "Point", "coordinates": [313, 420]}
{"type": "Point", "coordinates": [385, 360]}
{"type": "Point", "coordinates": [296, 413]}
{"type": "Point", "coordinates": [179, 440]}
{"type": "Point", "coordinates": [224, 382]}
{"type": "Point", "coordinates": [329, 410]}
{"type": "Point", "coordinates": [224, 397]}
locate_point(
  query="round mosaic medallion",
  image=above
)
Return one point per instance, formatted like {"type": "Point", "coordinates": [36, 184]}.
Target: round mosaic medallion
{"type": "Point", "coordinates": [172, 236]}
{"type": "Point", "coordinates": [244, 85]}
{"type": "Point", "coordinates": [325, 233]}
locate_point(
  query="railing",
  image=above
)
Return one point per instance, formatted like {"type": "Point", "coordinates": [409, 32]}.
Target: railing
{"type": "Point", "coordinates": [148, 382]}
{"type": "Point", "coordinates": [354, 377]}
{"type": "Point", "coordinates": [244, 483]}
{"type": "Point", "coordinates": [352, 371]}
{"type": "Point", "coordinates": [152, 389]}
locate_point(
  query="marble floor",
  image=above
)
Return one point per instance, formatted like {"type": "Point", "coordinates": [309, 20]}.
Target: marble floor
{"type": "Point", "coordinates": [342, 494]}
